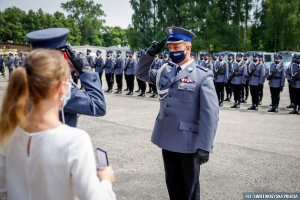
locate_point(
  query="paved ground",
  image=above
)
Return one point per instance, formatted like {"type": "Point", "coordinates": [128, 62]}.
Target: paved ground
{"type": "Point", "coordinates": [254, 150]}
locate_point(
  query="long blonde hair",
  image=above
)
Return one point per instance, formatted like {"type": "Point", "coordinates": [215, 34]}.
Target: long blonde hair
{"type": "Point", "coordinates": [29, 84]}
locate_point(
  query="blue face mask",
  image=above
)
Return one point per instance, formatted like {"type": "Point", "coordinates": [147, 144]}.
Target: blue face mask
{"type": "Point", "coordinates": [177, 56]}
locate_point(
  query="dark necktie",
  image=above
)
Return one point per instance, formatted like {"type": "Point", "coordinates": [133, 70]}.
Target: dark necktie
{"type": "Point", "coordinates": [178, 69]}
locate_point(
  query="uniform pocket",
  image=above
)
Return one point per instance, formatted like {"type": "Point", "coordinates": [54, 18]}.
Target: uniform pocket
{"type": "Point", "coordinates": [189, 127]}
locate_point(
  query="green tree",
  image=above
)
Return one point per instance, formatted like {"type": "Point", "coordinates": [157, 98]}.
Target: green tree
{"type": "Point", "coordinates": [88, 16]}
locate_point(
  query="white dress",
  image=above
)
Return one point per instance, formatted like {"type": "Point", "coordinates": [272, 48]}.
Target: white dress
{"type": "Point", "coordinates": [56, 164]}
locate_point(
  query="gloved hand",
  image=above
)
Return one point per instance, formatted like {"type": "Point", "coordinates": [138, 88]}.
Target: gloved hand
{"type": "Point", "coordinates": [202, 156]}
{"type": "Point", "coordinates": [281, 89]}
{"type": "Point", "coordinates": [80, 63]}
{"type": "Point", "coordinates": [155, 48]}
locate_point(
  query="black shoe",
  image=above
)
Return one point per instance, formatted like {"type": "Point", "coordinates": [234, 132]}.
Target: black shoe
{"type": "Point", "coordinates": [138, 90]}
{"type": "Point", "coordinates": [153, 95]}
{"type": "Point", "coordinates": [129, 93]}
{"type": "Point", "coordinates": [259, 103]}
{"type": "Point", "coordinates": [150, 91]}
{"type": "Point", "coordinates": [227, 99]}
{"type": "Point", "coordinates": [238, 105]}
{"type": "Point", "coordinates": [126, 89]}
{"type": "Point", "coordinates": [243, 101]}
{"type": "Point", "coordinates": [253, 107]}
{"type": "Point", "coordinates": [108, 90]}
{"type": "Point", "coordinates": [141, 95]}
{"type": "Point", "coordinates": [294, 112]}
{"type": "Point", "coordinates": [273, 109]}
{"type": "Point", "coordinates": [116, 89]}
{"type": "Point", "coordinates": [234, 106]}
{"type": "Point", "coordinates": [290, 106]}
{"type": "Point", "coordinates": [118, 92]}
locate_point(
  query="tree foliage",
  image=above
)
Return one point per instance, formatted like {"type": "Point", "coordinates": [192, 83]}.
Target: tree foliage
{"type": "Point", "coordinates": [234, 25]}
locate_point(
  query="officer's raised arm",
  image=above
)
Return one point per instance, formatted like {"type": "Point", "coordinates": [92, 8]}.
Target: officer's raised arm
{"type": "Point", "coordinates": [142, 70]}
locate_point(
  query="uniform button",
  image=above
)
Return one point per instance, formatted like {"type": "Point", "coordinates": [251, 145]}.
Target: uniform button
{"type": "Point", "coordinates": [166, 115]}
{"type": "Point", "coordinates": [190, 129]}
{"type": "Point", "coordinates": [167, 106]}
{"type": "Point", "coordinates": [170, 95]}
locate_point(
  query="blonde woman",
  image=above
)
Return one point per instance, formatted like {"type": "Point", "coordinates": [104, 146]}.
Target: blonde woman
{"type": "Point", "coordinates": [41, 158]}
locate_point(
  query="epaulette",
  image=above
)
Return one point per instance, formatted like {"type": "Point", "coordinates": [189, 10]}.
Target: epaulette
{"type": "Point", "coordinates": [202, 68]}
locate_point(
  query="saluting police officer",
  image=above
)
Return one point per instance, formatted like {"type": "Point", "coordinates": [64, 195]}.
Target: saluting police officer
{"type": "Point", "coordinates": [238, 78]}
{"type": "Point", "coordinates": [187, 120]}
{"type": "Point", "coordinates": [276, 78]}
{"type": "Point", "coordinates": [221, 76]}
{"type": "Point", "coordinates": [228, 84]}
{"type": "Point", "coordinates": [129, 72]}
{"type": "Point", "coordinates": [293, 77]}
{"type": "Point", "coordinates": [256, 80]}
{"type": "Point", "coordinates": [91, 101]}
{"type": "Point", "coordinates": [109, 70]}
{"type": "Point", "coordinates": [118, 70]}
{"type": "Point", "coordinates": [99, 65]}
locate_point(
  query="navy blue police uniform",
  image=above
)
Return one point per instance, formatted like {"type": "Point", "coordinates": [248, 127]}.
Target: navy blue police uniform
{"type": "Point", "coordinates": [89, 101]}
{"type": "Point", "coordinates": [99, 65]}
{"type": "Point", "coordinates": [141, 84]}
{"type": "Point", "coordinates": [245, 90]}
{"type": "Point", "coordinates": [228, 86]}
{"type": "Point", "coordinates": [221, 74]}
{"type": "Point", "coordinates": [188, 116]}
{"type": "Point", "coordinates": [276, 77]}
{"type": "Point", "coordinates": [89, 57]}
{"type": "Point", "coordinates": [129, 72]}
{"type": "Point", "coordinates": [293, 77]}
{"type": "Point", "coordinates": [118, 70]}
{"type": "Point", "coordinates": [109, 70]}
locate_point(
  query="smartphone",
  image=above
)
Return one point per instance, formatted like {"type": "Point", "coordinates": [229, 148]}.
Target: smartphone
{"type": "Point", "coordinates": [102, 158]}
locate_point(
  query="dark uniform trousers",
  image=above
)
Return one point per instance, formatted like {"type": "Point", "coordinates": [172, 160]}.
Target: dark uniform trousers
{"type": "Point", "coordinates": [295, 94]}
{"type": "Point", "coordinates": [245, 91]}
{"type": "Point", "coordinates": [254, 90]}
{"type": "Point", "coordinates": [229, 89]}
{"type": "Point", "coordinates": [100, 77]}
{"type": "Point", "coordinates": [290, 93]}
{"type": "Point", "coordinates": [141, 85]}
{"type": "Point", "coordinates": [220, 91]}
{"type": "Point", "coordinates": [237, 91]}
{"type": "Point", "coordinates": [153, 88]}
{"type": "Point", "coordinates": [275, 96]}
{"type": "Point", "coordinates": [119, 81]}
{"type": "Point", "coordinates": [110, 80]}
{"type": "Point", "coordinates": [130, 82]}
{"type": "Point", "coordinates": [182, 172]}
{"type": "Point", "coordinates": [260, 92]}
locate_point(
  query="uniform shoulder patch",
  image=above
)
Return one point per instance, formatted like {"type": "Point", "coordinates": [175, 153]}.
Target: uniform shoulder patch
{"type": "Point", "coordinates": [202, 68]}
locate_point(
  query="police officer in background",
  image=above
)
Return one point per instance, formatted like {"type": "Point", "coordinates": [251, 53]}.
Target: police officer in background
{"type": "Point", "coordinates": [141, 84]}
{"type": "Point", "coordinates": [245, 89]}
{"type": "Point", "coordinates": [228, 84]}
{"type": "Point", "coordinates": [129, 72]}
{"type": "Point", "coordinates": [10, 63]}
{"type": "Point", "coordinates": [90, 101]}
{"type": "Point", "coordinates": [16, 61]}
{"type": "Point", "coordinates": [89, 57]}
{"type": "Point", "coordinates": [157, 63]}
{"type": "Point", "coordinates": [99, 65]}
{"type": "Point", "coordinates": [21, 58]}
{"type": "Point", "coordinates": [261, 87]}
{"type": "Point", "coordinates": [2, 67]}
{"type": "Point", "coordinates": [193, 56]}
{"type": "Point", "coordinates": [238, 78]}
{"type": "Point", "coordinates": [276, 78]}
{"type": "Point", "coordinates": [293, 77]}
{"type": "Point", "coordinates": [256, 80]}
{"type": "Point", "coordinates": [207, 62]}
{"type": "Point", "coordinates": [187, 121]}
{"type": "Point", "coordinates": [118, 70]}
{"type": "Point", "coordinates": [221, 74]}
{"type": "Point", "coordinates": [109, 70]}
{"type": "Point", "coordinates": [166, 57]}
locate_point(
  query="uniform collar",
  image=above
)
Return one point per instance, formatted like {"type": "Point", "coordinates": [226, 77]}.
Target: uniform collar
{"type": "Point", "coordinates": [185, 64]}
